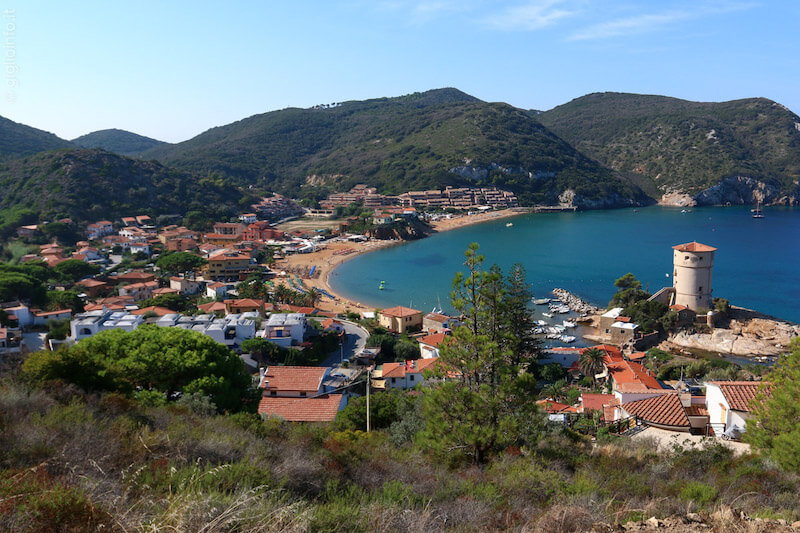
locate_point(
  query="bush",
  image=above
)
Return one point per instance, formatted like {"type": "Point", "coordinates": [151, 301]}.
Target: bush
{"type": "Point", "coordinates": [700, 493]}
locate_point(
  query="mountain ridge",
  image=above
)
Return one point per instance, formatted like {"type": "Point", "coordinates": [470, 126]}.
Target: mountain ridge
{"type": "Point", "coordinates": [118, 141]}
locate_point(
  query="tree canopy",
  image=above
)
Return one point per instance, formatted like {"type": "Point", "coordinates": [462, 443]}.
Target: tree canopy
{"type": "Point", "coordinates": [180, 262]}
{"type": "Point", "coordinates": [775, 425]}
{"type": "Point", "coordinates": [168, 360]}
{"type": "Point", "coordinates": [486, 403]}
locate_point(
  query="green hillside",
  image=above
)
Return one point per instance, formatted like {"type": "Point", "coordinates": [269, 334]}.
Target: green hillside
{"type": "Point", "coordinates": [399, 144]}
{"type": "Point", "coordinates": [682, 145]}
{"type": "Point", "coordinates": [118, 141]}
{"type": "Point", "coordinates": [18, 140]}
{"type": "Point", "coordinates": [88, 185]}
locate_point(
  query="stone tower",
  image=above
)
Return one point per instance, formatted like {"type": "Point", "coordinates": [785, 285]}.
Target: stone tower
{"type": "Point", "coordinates": [693, 264]}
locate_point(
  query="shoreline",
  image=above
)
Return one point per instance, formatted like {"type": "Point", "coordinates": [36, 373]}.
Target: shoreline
{"type": "Point", "coordinates": [334, 254]}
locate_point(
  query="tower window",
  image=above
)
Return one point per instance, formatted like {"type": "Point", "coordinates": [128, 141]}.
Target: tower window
{"type": "Point", "coordinates": [699, 289]}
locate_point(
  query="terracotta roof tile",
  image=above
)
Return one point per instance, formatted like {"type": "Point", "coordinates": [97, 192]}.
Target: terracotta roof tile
{"type": "Point", "coordinates": [294, 378]}
{"type": "Point", "coordinates": [319, 409]}
{"type": "Point", "coordinates": [739, 394]}
{"type": "Point", "coordinates": [551, 406]}
{"type": "Point", "coordinates": [400, 311]}
{"type": "Point", "coordinates": [433, 340]}
{"type": "Point", "coordinates": [595, 402]}
{"type": "Point", "coordinates": [664, 409]}
{"type": "Point", "coordinates": [693, 247]}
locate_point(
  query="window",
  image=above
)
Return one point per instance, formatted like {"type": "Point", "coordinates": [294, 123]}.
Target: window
{"type": "Point", "coordinates": [699, 289]}
{"type": "Point", "coordinates": [303, 394]}
{"type": "Point", "coordinates": [411, 377]}
{"type": "Point", "coordinates": [394, 380]}
{"type": "Point", "coordinates": [273, 393]}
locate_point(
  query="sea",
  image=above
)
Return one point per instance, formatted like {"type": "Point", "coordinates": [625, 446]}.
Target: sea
{"type": "Point", "coordinates": [757, 263]}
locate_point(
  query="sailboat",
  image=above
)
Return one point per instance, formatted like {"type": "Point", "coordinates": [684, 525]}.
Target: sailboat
{"type": "Point", "coordinates": [757, 213]}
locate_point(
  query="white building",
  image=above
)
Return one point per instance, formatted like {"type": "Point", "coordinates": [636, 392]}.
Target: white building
{"type": "Point", "coordinates": [729, 403]}
{"type": "Point", "coordinates": [285, 329]}
{"type": "Point", "coordinates": [93, 322]}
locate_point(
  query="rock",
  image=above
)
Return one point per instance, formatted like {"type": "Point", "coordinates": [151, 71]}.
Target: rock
{"type": "Point", "coordinates": [575, 303]}
{"type": "Point", "coordinates": [796, 525]}
{"type": "Point", "coordinates": [653, 522]}
{"type": "Point", "coordinates": [677, 198]}
{"type": "Point", "coordinates": [694, 517]}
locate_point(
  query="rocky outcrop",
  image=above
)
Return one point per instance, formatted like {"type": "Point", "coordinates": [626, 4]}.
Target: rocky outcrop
{"type": "Point", "coordinates": [575, 303]}
{"type": "Point", "coordinates": [568, 198]}
{"type": "Point", "coordinates": [743, 190]}
{"type": "Point", "coordinates": [677, 199]}
{"type": "Point", "coordinates": [755, 336]}
{"type": "Point", "coordinates": [408, 231]}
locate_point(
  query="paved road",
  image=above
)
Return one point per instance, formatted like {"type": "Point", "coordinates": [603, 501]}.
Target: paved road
{"type": "Point", "coordinates": [354, 341]}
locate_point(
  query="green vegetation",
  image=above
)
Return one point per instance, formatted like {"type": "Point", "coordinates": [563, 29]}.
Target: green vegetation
{"type": "Point", "coordinates": [118, 141]}
{"type": "Point", "coordinates": [488, 404]}
{"type": "Point", "coordinates": [180, 262]}
{"type": "Point", "coordinates": [91, 185]}
{"type": "Point", "coordinates": [149, 359]}
{"type": "Point", "coordinates": [774, 428]}
{"type": "Point", "coordinates": [688, 146]}
{"type": "Point", "coordinates": [18, 140]}
{"type": "Point", "coordinates": [651, 316]}
{"type": "Point", "coordinates": [399, 144]}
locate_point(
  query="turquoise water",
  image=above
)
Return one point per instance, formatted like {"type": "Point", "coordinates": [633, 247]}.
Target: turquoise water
{"type": "Point", "coordinates": [757, 264]}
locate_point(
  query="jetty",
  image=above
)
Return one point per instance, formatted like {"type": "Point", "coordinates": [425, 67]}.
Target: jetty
{"type": "Point", "coordinates": [554, 209]}
{"type": "Point", "coordinates": [575, 303]}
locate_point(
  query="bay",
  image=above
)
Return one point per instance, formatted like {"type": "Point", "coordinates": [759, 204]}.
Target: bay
{"type": "Point", "coordinates": [757, 264]}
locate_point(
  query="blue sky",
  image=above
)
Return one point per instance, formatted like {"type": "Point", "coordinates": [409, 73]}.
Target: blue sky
{"type": "Point", "coordinates": [171, 70]}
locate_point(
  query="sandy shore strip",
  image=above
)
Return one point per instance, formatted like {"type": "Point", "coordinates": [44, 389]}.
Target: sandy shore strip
{"type": "Point", "coordinates": [335, 253]}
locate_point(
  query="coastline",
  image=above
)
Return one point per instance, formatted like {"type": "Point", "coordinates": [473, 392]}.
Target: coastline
{"type": "Point", "coordinates": [334, 254]}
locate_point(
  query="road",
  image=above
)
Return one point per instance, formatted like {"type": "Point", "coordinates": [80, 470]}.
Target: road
{"type": "Point", "coordinates": [354, 341]}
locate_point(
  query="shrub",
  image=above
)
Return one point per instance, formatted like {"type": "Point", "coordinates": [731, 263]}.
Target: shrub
{"type": "Point", "coordinates": [700, 493]}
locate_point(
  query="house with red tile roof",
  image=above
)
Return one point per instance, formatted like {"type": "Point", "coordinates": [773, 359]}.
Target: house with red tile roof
{"type": "Point", "coordinates": [317, 409]}
{"type": "Point", "coordinates": [164, 290]}
{"type": "Point", "coordinates": [139, 291]}
{"type": "Point", "coordinates": [438, 323]}
{"type": "Point", "coordinates": [185, 285]}
{"type": "Point", "coordinates": [331, 324]}
{"type": "Point", "coordinates": [92, 287]}
{"type": "Point", "coordinates": [730, 403]}
{"type": "Point", "coordinates": [429, 345]}
{"type": "Point", "coordinates": [244, 305]}
{"type": "Point", "coordinates": [213, 308]}
{"type": "Point", "coordinates": [405, 375]}
{"type": "Point", "coordinates": [665, 411]}
{"type": "Point", "coordinates": [293, 381]}
{"type": "Point", "coordinates": [400, 319]}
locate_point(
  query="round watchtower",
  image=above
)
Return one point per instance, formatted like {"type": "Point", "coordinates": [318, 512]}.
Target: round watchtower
{"type": "Point", "coordinates": [693, 264]}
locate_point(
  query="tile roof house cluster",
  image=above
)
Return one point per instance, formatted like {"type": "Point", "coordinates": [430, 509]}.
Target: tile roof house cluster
{"type": "Point", "coordinates": [298, 394]}
{"type": "Point", "coordinates": [276, 206]}
{"type": "Point", "coordinates": [405, 375]}
{"type": "Point", "coordinates": [729, 403]}
{"type": "Point", "coordinates": [439, 323]}
{"type": "Point", "coordinates": [429, 344]}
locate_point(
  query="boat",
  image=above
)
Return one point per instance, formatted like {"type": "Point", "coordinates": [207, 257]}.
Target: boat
{"type": "Point", "coordinates": [757, 213]}
{"type": "Point", "coordinates": [541, 301]}
{"type": "Point", "coordinates": [548, 315]}
{"type": "Point", "coordinates": [540, 323]}
{"type": "Point", "coordinates": [509, 224]}
{"type": "Point", "coordinates": [568, 324]}
{"type": "Point", "coordinates": [567, 338]}
{"type": "Point", "coordinates": [382, 285]}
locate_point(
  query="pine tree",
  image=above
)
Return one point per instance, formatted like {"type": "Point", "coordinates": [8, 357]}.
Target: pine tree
{"type": "Point", "coordinates": [485, 404]}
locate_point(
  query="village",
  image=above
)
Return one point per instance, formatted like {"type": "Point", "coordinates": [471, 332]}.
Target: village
{"type": "Point", "coordinates": [247, 282]}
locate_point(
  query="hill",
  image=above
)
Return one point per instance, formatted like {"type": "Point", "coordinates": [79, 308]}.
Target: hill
{"type": "Point", "coordinates": [88, 185]}
{"type": "Point", "coordinates": [118, 141]}
{"type": "Point", "coordinates": [419, 141]}
{"type": "Point", "coordinates": [715, 152]}
{"type": "Point", "coordinates": [18, 140]}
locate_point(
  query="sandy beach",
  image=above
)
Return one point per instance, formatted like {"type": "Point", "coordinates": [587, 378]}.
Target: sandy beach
{"type": "Point", "coordinates": [334, 253]}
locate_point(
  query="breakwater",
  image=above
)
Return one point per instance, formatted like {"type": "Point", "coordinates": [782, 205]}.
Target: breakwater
{"type": "Point", "coordinates": [575, 303]}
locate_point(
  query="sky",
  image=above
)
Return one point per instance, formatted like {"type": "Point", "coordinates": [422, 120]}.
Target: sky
{"type": "Point", "coordinates": [171, 70]}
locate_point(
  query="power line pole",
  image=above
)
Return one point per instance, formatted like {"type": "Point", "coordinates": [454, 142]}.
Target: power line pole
{"type": "Point", "coordinates": [369, 375]}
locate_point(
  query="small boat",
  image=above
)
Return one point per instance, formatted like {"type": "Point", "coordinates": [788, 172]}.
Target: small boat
{"type": "Point", "coordinates": [563, 309]}
{"type": "Point", "coordinates": [548, 315]}
{"type": "Point", "coordinates": [757, 213]}
{"type": "Point", "coordinates": [382, 285]}
{"type": "Point", "coordinates": [509, 224]}
{"type": "Point", "coordinates": [569, 324]}
{"type": "Point", "coordinates": [540, 323]}
{"type": "Point", "coordinates": [567, 338]}
{"type": "Point", "coordinates": [541, 301]}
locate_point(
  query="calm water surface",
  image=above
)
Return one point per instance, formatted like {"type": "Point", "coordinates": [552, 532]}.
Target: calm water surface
{"type": "Point", "coordinates": [757, 264]}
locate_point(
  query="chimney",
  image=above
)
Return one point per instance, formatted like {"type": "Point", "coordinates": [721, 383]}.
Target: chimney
{"type": "Point", "coordinates": [686, 398]}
